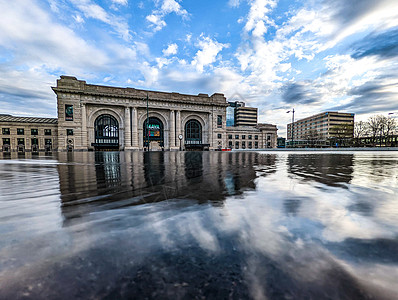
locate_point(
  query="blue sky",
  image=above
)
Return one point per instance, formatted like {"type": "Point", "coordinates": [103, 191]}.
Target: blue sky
{"type": "Point", "coordinates": [275, 55]}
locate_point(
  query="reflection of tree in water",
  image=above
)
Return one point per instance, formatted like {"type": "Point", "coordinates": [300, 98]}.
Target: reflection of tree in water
{"type": "Point", "coordinates": [378, 168]}
{"type": "Point", "coordinates": [330, 169]}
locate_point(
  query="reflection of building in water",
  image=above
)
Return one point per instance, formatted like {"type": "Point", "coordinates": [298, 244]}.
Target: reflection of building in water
{"type": "Point", "coordinates": [193, 165]}
{"type": "Point", "coordinates": [332, 170]}
{"type": "Point", "coordinates": [154, 168]}
{"type": "Point", "coordinates": [132, 178]}
{"type": "Point", "coordinates": [107, 168]}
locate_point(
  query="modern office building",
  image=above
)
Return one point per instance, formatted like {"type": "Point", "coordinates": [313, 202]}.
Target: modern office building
{"type": "Point", "coordinates": [319, 129]}
{"type": "Point", "coordinates": [245, 116]}
{"type": "Point", "coordinates": [231, 109]}
{"type": "Point", "coordinates": [94, 117]}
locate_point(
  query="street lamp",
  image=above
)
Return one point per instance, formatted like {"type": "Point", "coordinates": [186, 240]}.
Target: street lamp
{"type": "Point", "coordinates": [147, 121]}
{"type": "Point", "coordinates": [292, 111]}
{"type": "Point", "coordinates": [180, 138]}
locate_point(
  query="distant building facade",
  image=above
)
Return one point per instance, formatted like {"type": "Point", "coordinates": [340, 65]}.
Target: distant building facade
{"type": "Point", "coordinates": [246, 116]}
{"type": "Point", "coordinates": [281, 142]}
{"type": "Point", "coordinates": [231, 112]}
{"type": "Point", "coordinates": [94, 117]}
{"type": "Point", "coordinates": [26, 134]}
{"type": "Point", "coordinates": [320, 129]}
{"type": "Point", "coordinates": [257, 137]}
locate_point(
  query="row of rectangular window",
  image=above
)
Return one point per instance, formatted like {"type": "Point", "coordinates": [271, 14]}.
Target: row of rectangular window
{"type": "Point", "coordinates": [243, 137]}
{"type": "Point", "coordinates": [21, 141]}
{"type": "Point", "coordinates": [21, 131]}
{"type": "Point", "coordinates": [250, 145]}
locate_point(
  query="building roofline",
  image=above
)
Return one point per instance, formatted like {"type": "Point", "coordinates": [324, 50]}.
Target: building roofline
{"type": "Point", "coordinates": [69, 84]}
{"type": "Point", "coordinates": [322, 113]}
{"type": "Point", "coordinates": [16, 119]}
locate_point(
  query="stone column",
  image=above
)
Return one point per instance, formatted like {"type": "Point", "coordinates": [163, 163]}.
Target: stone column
{"type": "Point", "coordinates": [172, 130]}
{"type": "Point", "coordinates": [127, 128]}
{"type": "Point", "coordinates": [134, 120]}
{"type": "Point", "coordinates": [210, 130]}
{"type": "Point", "coordinates": [84, 126]}
{"type": "Point", "coordinates": [178, 129]}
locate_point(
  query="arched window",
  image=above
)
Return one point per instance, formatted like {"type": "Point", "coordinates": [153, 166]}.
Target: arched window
{"type": "Point", "coordinates": [193, 132]}
{"type": "Point", "coordinates": [106, 130]}
{"type": "Point", "coordinates": [153, 131]}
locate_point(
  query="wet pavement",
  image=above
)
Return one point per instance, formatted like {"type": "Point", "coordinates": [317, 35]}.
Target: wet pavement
{"type": "Point", "coordinates": [199, 225]}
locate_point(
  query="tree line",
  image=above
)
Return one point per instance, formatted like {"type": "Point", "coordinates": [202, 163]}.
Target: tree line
{"type": "Point", "coordinates": [378, 130]}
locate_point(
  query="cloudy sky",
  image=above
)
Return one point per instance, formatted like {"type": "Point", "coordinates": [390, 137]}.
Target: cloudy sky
{"type": "Point", "coordinates": [275, 55]}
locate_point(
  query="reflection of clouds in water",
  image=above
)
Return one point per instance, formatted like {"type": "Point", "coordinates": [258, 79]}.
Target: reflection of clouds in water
{"type": "Point", "coordinates": [183, 227]}
{"type": "Point", "coordinates": [378, 277]}
{"type": "Point", "coordinates": [376, 170]}
{"type": "Point", "coordinates": [331, 207]}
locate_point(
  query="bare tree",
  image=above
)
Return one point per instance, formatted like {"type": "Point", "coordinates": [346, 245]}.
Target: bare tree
{"type": "Point", "coordinates": [361, 129]}
{"type": "Point", "coordinates": [387, 128]}
{"type": "Point", "coordinates": [375, 124]}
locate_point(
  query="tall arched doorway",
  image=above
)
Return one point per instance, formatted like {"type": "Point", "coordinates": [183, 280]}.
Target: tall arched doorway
{"type": "Point", "coordinates": [193, 135]}
{"type": "Point", "coordinates": [153, 134]}
{"type": "Point", "coordinates": [106, 130]}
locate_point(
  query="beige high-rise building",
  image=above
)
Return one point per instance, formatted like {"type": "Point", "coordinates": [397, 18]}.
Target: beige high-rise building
{"type": "Point", "coordinates": [316, 130]}
{"type": "Point", "coordinates": [245, 116]}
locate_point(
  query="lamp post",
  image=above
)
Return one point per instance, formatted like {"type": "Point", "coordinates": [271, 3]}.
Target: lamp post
{"type": "Point", "coordinates": [292, 111]}
{"type": "Point", "coordinates": [147, 121]}
{"type": "Point", "coordinates": [180, 138]}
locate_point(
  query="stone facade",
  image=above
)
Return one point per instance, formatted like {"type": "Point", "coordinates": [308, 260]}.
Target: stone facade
{"type": "Point", "coordinates": [246, 137]}
{"type": "Point", "coordinates": [26, 134]}
{"type": "Point", "coordinates": [128, 107]}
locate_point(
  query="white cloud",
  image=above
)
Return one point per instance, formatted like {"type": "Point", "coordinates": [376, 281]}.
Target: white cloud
{"type": "Point", "coordinates": [157, 22]}
{"type": "Point", "coordinates": [257, 18]}
{"type": "Point", "coordinates": [208, 52]}
{"type": "Point", "coordinates": [167, 7]}
{"type": "Point", "coordinates": [94, 11]}
{"type": "Point", "coordinates": [120, 2]}
{"type": "Point", "coordinates": [234, 3]}
{"type": "Point", "coordinates": [170, 6]}
{"type": "Point", "coordinates": [170, 50]}
{"type": "Point", "coordinates": [78, 19]}
{"type": "Point", "coordinates": [35, 40]}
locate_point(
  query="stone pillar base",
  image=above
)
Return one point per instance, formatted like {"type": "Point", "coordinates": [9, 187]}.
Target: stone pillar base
{"type": "Point", "coordinates": [131, 148]}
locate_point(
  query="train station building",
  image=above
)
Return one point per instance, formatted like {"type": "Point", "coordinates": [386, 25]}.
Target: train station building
{"type": "Point", "coordinates": [94, 117]}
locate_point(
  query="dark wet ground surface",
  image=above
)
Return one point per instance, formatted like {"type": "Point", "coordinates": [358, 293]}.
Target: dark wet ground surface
{"type": "Point", "coordinates": [194, 225]}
